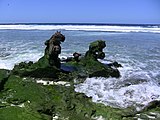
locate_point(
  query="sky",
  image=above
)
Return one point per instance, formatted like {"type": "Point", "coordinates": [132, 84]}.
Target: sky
{"type": "Point", "coordinates": [80, 11]}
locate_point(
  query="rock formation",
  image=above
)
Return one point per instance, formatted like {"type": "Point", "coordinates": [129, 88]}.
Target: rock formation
{"type": "Point", "coordinates": [89, 66]}
{"type": "Point", "coordinates": [48, 66]}
{"type": "Point", "coordinates": [96, 50]}
{"type": "Point", "coordinates": [53, 49]}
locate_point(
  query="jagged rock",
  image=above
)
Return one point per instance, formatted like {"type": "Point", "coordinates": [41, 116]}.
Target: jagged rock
{"type": "Point", "coordinates": [96, 50]}
{"type": "Point", "coordinates": [114, 64]}
{"type": "Point", "coordinates": [53, 49]}
{"type": "Point", "coordinates": [74, 58]}
{"type": "Point", "coordinates": [94, 67]}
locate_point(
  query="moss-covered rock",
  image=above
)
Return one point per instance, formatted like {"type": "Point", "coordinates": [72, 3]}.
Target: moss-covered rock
{"type": "Point", "coordinates": [23, 98]}
{"type": "Point", "coordinates": [17, 113]}
{"type": "Point", "coordinates": [34, 97]}
{"type": "Point", "coordinates": [53, 49]}
{"type": "Point", "coordinates": [89, 66]}
{"type": "Point", "coordinates": [40, 69]}
{"type": "Point", "coordinates": [4, 74]}
{"type": "Point", "coordinates": [96, 50]}
{"type": "Point", "coordinates": [47, 66]}
{"type": "Point", "coordinates": [3, 77]}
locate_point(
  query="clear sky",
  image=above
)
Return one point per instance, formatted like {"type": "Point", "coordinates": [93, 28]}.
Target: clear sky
{"type": "Point", "coordinates": [80, 11]}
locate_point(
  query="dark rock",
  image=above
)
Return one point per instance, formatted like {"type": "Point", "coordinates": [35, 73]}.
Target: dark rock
{"type": "Point", "coordinates": [114, 64]}
{"type": "Point", "coordinates": [96, 50]}
{"type": "Point", "coordinates": [94, 67]}
{"type": "Point", "coordinates": [35, 70]}
{"type": "Point", "coordinates": [152, 105]}
{"type": "Point", "coordinates": [74, 58]}
{"type": "Point", "coordinates": [53, 49]}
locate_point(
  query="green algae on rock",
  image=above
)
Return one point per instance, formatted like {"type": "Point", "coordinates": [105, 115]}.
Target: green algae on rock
{"type": "Point", "coordinates": [4, 74]}
{"type": "Point", "coordinates": [89, 66]}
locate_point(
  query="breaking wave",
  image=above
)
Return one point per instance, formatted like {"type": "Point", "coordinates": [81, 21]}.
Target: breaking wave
{"type": "Point", "coordinates": [131, 89]}
{"type": "Point", "coordinates": [105, 28]}
{"type": "Point", "coordinates": [10, 61]}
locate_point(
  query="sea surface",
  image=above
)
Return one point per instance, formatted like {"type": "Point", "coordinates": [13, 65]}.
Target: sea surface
{"type": "Point", "coordinates": [136, 47]}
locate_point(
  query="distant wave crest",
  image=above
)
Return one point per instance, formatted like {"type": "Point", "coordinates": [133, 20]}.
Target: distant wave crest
{"type": "Point", "coordinates": [104, 28]}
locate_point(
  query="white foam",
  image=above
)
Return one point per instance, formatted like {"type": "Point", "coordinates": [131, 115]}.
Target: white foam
{"type": "Point", "coordinates": [109, 92]}
{"type": "Point", "coordinates": [55, 118]}
{"type": "Point", "coordinates": [98, 118]}
{"type": "Point", "coordinates": [8, 63]}
{"type": "Point", "coordinates": [106, 28]}
{"type": "Point", "coordinates": [64, 83]}
{"type": "Point", "coordinates": [20, 105]}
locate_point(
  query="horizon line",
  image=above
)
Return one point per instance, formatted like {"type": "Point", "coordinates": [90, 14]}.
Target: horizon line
{"type": "Point", "coordinates": [76, 23]}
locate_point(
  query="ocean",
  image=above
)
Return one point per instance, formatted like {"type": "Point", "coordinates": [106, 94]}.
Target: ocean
{"type": "Point", "coordinates": [136, 47]}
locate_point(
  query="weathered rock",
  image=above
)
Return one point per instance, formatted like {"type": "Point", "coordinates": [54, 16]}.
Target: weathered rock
{"type": "Point", "coordinates": [46, 67]}
{"type": "Point", "coordinates": [96, 50]}
{"type": "Point", "coordinates": [53, 49]}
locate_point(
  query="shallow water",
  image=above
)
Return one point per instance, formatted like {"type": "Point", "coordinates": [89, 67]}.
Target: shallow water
{"type": "Point", "coordinates": [138, 52]}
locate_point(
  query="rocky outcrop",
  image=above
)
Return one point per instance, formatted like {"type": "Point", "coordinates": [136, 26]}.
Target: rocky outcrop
{"type": "Point", "coordinates": [53, 49]}
{"type": "Point", "coordinates": [89, 66]}
{"type": "Point", "coordinates": [96, 50]}
{"type": "Point", "coordinates": [47, 66]}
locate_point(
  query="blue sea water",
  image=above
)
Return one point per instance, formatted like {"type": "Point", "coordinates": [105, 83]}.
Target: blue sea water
{"type": "Point", "coordinates": [136, 47]}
